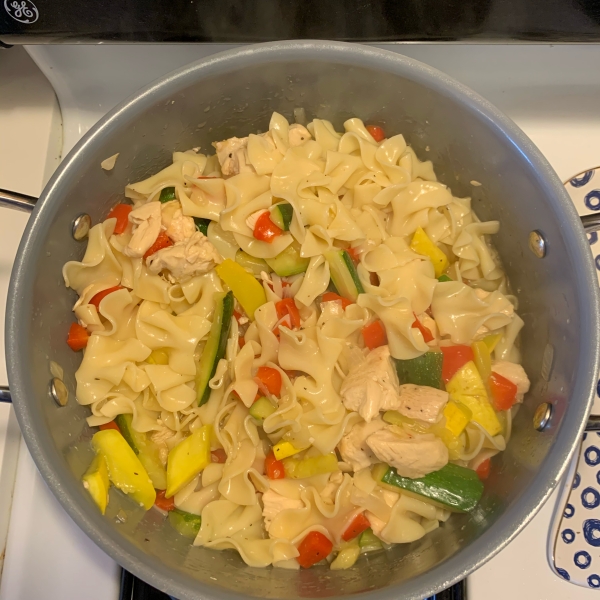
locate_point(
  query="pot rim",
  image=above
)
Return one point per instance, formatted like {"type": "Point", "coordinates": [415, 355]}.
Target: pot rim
{"type": "Point", "coordinates": [514, 519]}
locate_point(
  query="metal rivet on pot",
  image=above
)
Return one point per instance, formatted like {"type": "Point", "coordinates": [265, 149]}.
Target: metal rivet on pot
{"type": "Point", "coordinates": [537, 244]}
{"type": "Point", "coordinates": [542, 416]}
{"type": "Point", "coordinates": [58, 391]}
{"type": "Point", "coordinates": [81, 226]}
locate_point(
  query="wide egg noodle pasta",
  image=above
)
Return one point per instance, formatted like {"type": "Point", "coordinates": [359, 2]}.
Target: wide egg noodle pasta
{"type": "Point", "coordinates": [99, 269]}
{"type": "Point", "coordinates": [184, 164]}
{"type": "Point", "coordinates": [461, 313]}
{"type": "Point", "coordinates": [397, 315]}
{"type": "Point", "coordinates": [226, 524]}
{"type": "Point", "coordinates": [346, 191]}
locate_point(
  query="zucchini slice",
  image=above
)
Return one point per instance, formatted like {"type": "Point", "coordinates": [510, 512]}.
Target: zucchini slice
{"type": "Point", "coordinates": [423, 370]}
{"type": "Point", "coordinates": [289, 262]}
{"type": "Point", "coordinates": [281, 215]}
{"type": "Point", "coordinates": [344, 275]}
{"type": "Point", "coordinates": [185, 523]}
{"type": "Point", "coordinates": [214, 350]}
{"type": "Point", "coordinates": [261, 409]}
{"type": "Point", "coordinates": [255, 265]}
{"type": "Point", "coordinates": [202, 225]}
{"type": "Point", "coordinates": [456, 488]}
{"type": "Point", "coordinates": [147, 451]}
{"type": "Point", "coordinates": [167, 194]}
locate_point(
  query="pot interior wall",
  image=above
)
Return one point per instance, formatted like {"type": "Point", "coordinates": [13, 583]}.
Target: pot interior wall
{"type": "Point", "coordinates": [464, 147]}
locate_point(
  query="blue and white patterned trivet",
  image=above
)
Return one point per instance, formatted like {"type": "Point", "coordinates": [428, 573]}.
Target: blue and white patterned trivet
{"type": "Point", "coordinates": [577, 534]}
{"type": "Point", "coordinates": [584, 190]}
{"type": "Point", "coordinates": [574, 539]}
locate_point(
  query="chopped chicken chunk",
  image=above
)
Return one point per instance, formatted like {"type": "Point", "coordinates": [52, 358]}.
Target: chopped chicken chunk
{"type": "Point", "coordinates": [298, 134]}
{"type": "Point", "coordinates": [193, 256]}
{"type": "Point", "coordinates": [146, 226]}
{"type": "Point", "coordinates": [421, 402]}
{"type": "Point", "coordinates": [333, 485]}
{"type": "Point", "coordinates": [412, 456]}
{"type": "Point", "coordinates": [233, 153]}
{"type": "Point", "coordinates": [377, 525]}
{"type": "Point", "coordinates": [251, 220]}
{"type": "Point", "coordinates": [274, 503]}
{"type": "Point", "coordinates": [181, 228]}
{"type": "Point", "coordinates": [160, 437]}
{"type": "Point", "coordinates": [515, 373]}
{"type": "Point", "coordinates": [353, 446]}
{"type": "Point", "coordinates": [372, 385]}
{"type": "Point", "coordinates": [233, 156]}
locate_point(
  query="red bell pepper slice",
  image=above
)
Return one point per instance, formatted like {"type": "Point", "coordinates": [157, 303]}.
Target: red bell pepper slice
{"type": "Point", "coordinates": [483, 470]}
{"type": "Point", "coordinates": [218, 456]}
{"type": "Point", "coordinates": [359, 524]}
{"type": "Point", "coordinates": [376, 132]}
{"type": "Point", "coordinates": [78, 337]}
{"type": "Point", "coordinates": [374, 335]}
{"type": "Point", "coordinates": [121, 213]}
{"type": "Point", "coordinates": [504, 392]}
{"type": "Point", "coordinates": [273, 467]}
{"type": "Point", "coordinates": [287, 306]}
{"type": "Point", "coordinates": [427, 335]}
{"type": "Point", "coordinates": [331, 297]}
{"type": "Point", "coordinates": [265, 230]}
{"type": "Point", "coordinates": [101, 295]}
{"type": "Point", "coordinates": [270, 378]}
{"type": "Point", "coordinates": [109, 425]}
{"type": "Point", "coordinates": [313, 549]}
{"type": "Point", "coordinates": [163, 503]}
{"type": "Point", "coordinates": [455, 358]}
{"type": "Point", "coordinates": [162, 241]}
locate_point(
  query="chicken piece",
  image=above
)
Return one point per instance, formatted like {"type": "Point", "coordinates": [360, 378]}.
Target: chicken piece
{"type": "Point", "coordinates": [421, 402]}
{"type": "Point", "coordinates": [274, 503]}
{"type": "Point", "coordinates": [353, 446]}
{"type": "Point", "coordinates": [372, 385]}
{"type": "Point", "coordinates": [333, 485]}
{"type": "Point", "coordinates": [180, 227]}
{"type": "Point", "coordinates": [233, 156]}
{"type": "Point", "coordinates": [146, 221]}
{"type": "Point", "coordinates": [160, 437]}
{"type": "Point", "coordinates": [411, 455]}
{"type": "Point", "coordinates": [377, 525]}
{"type": "Point", "coordinates": [193, 256]}
{"type": "Point", "coordinates": [298, 134]}
{"type": "Point", "coordinates": [251, 219]}
{"type": "Point", "coordinates": [515, 373]}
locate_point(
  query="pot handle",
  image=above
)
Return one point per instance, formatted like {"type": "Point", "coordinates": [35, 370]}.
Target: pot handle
{"type": "Point", "coordinates": [17, 201]}
{"type": "Point", "coordinates": [591, 222]}
{"type": "Point", "coordinates": [5, 394]}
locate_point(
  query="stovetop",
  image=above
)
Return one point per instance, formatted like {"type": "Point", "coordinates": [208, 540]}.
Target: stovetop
{"type": "Point", "coordinates": [551, 92]}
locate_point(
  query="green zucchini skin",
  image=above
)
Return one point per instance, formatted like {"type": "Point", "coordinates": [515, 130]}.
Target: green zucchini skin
{"type": "Point", "coordinates": [423, 370]}
{"type": "Point", "coordinates": [281, 215]}
{"type": "Point", "coordinates": [185, 523]}
{"type": "Point", "coordinates": [214, 350]}
{"type": "Point", "coordinates": [344, 275]}
{"type": "Point", "coordinates": [202, 225]}
{"type": "Point", "coordinates": [146, 450]}
{"type": "Point", "coordinates": [167, 194]}
{"type": "Point", "coordinates": [289, 262]}
{"type": "Point", "coordinates": [457, 488]}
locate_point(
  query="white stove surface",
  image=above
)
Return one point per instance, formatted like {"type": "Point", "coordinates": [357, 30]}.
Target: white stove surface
{"type": "Point", "coordinates": [551, 92]}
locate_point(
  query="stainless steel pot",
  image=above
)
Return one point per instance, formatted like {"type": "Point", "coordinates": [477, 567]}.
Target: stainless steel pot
{"type": "Point", "coordinates": [467, 139]}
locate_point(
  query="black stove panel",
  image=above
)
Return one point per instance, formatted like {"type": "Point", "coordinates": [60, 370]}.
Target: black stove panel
{"type": "Point", "coordinates": [230, 21]}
